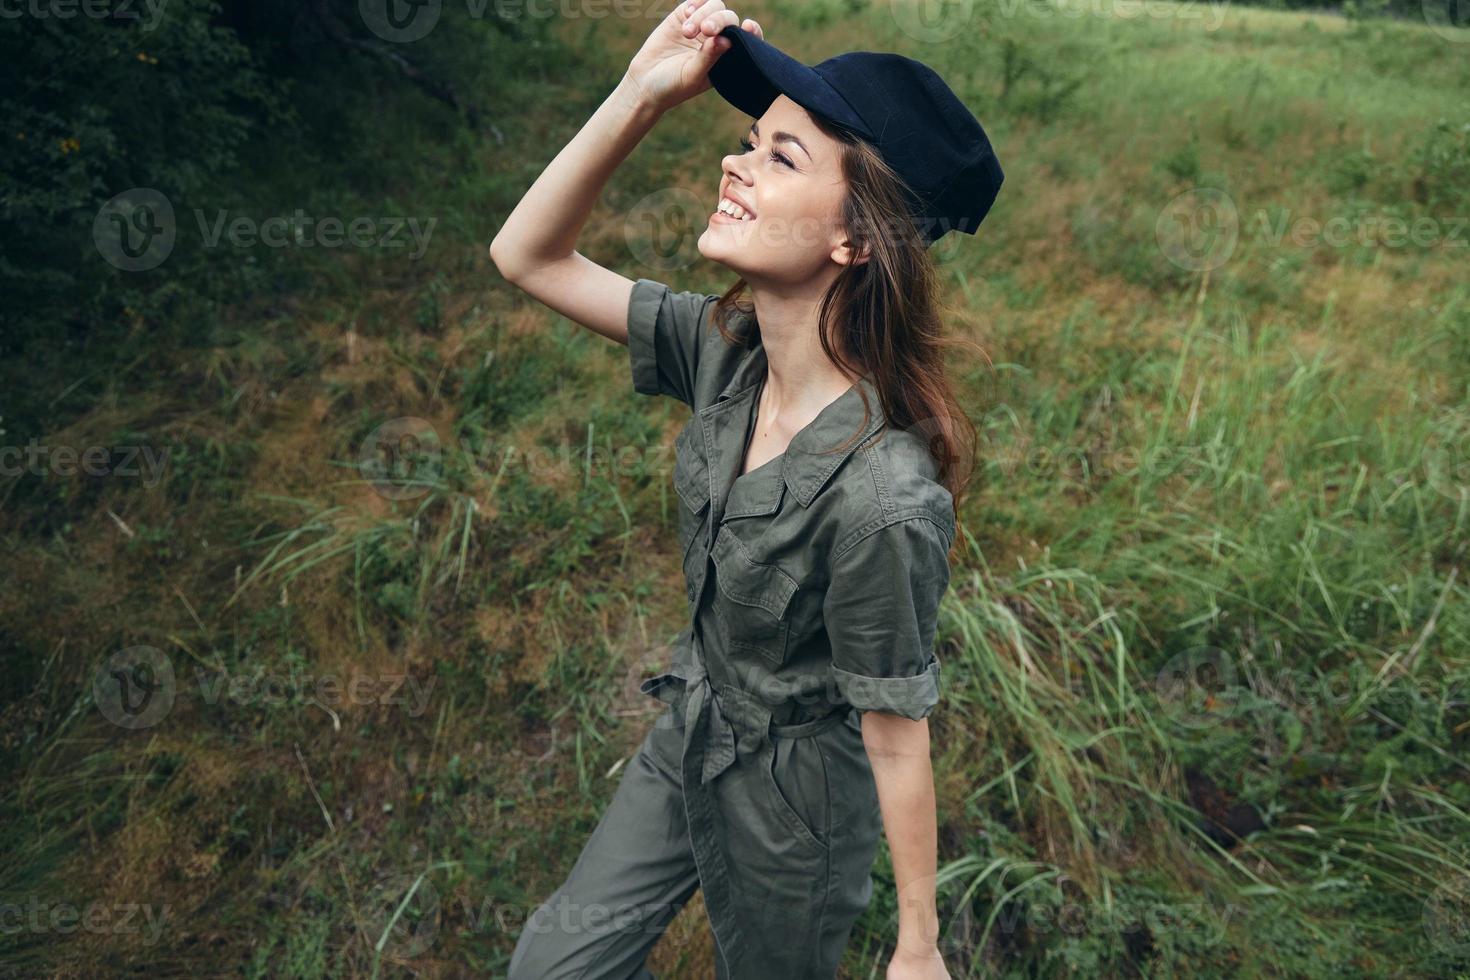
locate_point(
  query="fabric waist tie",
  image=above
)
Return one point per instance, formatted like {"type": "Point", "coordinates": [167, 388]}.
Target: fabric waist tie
{"type": "Point", "coordinates": [735, 724]}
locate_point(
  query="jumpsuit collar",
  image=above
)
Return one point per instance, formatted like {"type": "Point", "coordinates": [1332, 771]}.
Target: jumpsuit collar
{"type": "Point", "coordinates": [809, 459]}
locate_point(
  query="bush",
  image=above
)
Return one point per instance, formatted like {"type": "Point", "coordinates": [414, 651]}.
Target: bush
{"type": "Point", "coordinates": [95, 107]}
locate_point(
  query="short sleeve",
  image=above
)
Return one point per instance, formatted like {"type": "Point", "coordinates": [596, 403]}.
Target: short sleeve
{"type": "Point", "coordinates": [881, 612]}
{"type": "Point", "coordinates": [666, 330]}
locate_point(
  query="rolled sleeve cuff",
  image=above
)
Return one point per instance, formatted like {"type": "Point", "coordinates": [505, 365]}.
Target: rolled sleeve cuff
{"type": "Point", "coordinates": [643, 307]}
{"type": "Point", "coordinates": [912, 697]}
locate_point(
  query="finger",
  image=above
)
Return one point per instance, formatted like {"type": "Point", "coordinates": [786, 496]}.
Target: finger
{"type": "Point", "coordinates": [694, 13]}
{"type": "Point", "coordinates": [717, 22]}
{"type": "Point", "coordinates": [699, 11]}
{"type": "Point", "coordinates": [682, 12]}
{"type": "Point", "coordinates": [750, 25]}
{"type": "Point", "coordinates": [709, 25]}
{"type": "Point", "coordinates": [713, 47]}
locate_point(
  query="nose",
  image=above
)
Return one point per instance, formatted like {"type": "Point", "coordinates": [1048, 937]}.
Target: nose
{"type": "Point", "coordinates": [735, 169]}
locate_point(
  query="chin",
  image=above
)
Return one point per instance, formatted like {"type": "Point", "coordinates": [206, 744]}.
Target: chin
{"type": "Point", "coordinates": [715, 253]}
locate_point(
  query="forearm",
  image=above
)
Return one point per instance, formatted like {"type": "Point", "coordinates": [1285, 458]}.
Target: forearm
{"type": "Point", "coordinates": [898, 750]}
{"type": "Point", "coordinates": [545, 225]}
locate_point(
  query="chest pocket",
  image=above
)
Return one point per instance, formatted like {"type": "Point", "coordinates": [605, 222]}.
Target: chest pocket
{"type": "Point", "coordinates": [754, 601]}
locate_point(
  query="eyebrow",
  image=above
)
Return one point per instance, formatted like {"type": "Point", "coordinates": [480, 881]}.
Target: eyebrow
{"type": "Point", "coordinates": [783, 137]}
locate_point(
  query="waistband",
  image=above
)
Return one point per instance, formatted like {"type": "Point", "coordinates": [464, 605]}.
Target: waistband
{"type": "Point", "coordinates": [733, 722]}
{"type": "Point", "coordinates": [806, 729]}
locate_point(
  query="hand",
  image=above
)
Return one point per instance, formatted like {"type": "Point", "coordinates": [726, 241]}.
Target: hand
{"type": "Point", "coordinates": [908, 964]}
{"type": "Point", "coordinates": [673, 64]}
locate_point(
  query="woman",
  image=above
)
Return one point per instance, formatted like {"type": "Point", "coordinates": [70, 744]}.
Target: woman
{"type": "Point", "coordinates": [817, 482]}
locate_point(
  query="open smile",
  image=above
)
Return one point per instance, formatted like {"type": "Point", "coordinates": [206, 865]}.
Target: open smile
{"type": "Point", "coordinates": [728, 210]}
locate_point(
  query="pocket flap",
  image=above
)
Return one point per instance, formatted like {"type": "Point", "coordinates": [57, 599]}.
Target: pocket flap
{"type": "Point", "coordinates": [691, 469]}
{"type": "Point", "coordinates": [668, 687]}
{"type": "Point", "coordinates": [747, 581]}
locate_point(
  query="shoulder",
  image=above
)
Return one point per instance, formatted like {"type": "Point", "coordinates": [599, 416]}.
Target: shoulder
{"type": "Point", "coordinates": [889, 487]}
{"type": "Point", "coordinates": [673, 333]}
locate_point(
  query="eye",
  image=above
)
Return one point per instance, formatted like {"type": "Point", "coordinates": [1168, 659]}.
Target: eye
{"type": "Point", "coordinates": [746, 146]}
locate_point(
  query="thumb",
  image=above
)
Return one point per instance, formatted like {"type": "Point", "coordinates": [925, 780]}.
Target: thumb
{"type": "Point", "coordinates": [712, 48]}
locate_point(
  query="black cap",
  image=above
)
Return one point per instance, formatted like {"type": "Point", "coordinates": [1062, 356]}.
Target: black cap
{"type": "Point", "coordinates": [916, 122]}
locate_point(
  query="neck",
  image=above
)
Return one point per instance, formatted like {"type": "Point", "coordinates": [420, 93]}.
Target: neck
{"type": "Point", "coordinates": [800, 379]}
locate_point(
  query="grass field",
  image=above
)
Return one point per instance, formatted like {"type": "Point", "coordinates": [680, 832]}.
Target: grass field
{"type": "Point", "coordinates": [1206, 705]}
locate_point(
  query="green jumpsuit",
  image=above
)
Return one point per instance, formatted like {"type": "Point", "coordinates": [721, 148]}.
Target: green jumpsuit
{"type": "Point", "coordinates": [814, 583]}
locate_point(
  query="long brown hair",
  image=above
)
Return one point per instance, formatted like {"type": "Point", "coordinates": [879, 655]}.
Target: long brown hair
{"type": "Point", "coordinates": [885, 315]}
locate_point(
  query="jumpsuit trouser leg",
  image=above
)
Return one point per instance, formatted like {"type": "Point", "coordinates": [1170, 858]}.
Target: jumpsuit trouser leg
{"type": "Point", "coordinates": [636, 871]}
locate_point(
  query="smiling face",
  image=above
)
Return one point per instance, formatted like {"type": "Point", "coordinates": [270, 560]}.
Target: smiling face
{"type": "Point", "coordinates": [788, 190]}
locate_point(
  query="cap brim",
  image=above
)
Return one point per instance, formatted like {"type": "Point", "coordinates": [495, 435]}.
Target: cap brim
{"type": "Point", "coordinates": [753, 72]}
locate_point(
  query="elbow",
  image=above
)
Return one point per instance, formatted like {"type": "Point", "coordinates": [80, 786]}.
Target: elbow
{"type": "Point", "coordinates": [892, 736]}
{"type": "Point", "coordinates": [504, 263]}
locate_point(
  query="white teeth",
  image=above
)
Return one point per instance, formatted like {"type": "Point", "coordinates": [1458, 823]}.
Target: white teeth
{"type": "Point", "coordinates": [732, 209]}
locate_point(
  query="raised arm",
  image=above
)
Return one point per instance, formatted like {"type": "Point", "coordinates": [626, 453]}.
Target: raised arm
{"type": "Point", "coordinates": [536, 247]}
